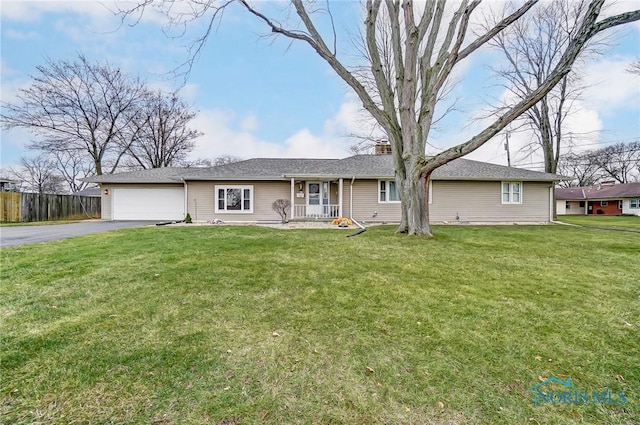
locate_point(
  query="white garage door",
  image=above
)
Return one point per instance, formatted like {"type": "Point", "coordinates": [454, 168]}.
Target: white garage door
{"type": "Point", "coordinates": [148, 203]}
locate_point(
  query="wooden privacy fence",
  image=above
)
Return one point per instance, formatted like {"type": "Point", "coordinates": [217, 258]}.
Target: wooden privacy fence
{"type": "Point", "coordinates": [25, 207]}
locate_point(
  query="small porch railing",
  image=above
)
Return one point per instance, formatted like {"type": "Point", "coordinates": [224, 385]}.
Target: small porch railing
{"type": "Point", "coordinates": [316, 211]}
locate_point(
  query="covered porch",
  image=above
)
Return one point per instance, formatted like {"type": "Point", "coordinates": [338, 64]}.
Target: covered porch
{"type": "Point", "coordinates": [316, 198]}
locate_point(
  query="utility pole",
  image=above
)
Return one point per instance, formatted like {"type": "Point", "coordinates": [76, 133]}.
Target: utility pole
{"type": "Point", "coordinates": [506, 148]}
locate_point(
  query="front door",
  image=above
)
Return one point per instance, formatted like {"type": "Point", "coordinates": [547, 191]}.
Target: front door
{"type": "Point", "coordinates": [317, 199]}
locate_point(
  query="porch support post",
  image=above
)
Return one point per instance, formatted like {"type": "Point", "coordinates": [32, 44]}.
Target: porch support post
{"type": "Point", "coordinates": [293, 197]}
{"type": "Point", "coordinates": [340, 197]}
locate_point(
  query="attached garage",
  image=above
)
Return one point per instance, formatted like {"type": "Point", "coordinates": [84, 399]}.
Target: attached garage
{"type": "Point", "coordinates": [147, 203]}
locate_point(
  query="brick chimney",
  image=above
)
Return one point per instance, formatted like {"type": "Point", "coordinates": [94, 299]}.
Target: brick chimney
{"type": "Point", "coordinates": [606, 183]}
{"type": "Point", "coordinates": [383, 147]}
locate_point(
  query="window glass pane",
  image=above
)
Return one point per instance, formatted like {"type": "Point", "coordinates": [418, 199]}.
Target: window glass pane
{"type": "Point", "coordinates": [505, 192]}
{"type": "Point", "coordinates": [393, 191]}
{"type": "Point", "coordinates": [314, 193]}
{"type": "Point", "coordinates": [221, 199]}
{"type": "Point", "coordinates": [233, 199]}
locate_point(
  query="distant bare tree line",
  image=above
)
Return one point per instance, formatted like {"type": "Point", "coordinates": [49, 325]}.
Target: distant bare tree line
{"type": "Point", "coordinates": [91, 118]}
{"type": "Point", "coordinates": [619, 162]}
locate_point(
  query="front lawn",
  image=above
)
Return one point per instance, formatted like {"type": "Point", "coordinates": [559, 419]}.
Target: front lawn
{"type": "Point", "coordinates": [619, 222]}
{"type": "Point", "coordinates": [248, 325]}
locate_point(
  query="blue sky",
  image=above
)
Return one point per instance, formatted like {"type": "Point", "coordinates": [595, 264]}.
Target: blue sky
{"type": "Point", "coordinates": [265, 97]}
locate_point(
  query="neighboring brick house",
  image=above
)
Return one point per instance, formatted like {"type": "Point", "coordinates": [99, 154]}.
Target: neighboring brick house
{"type": "Point", "coordinates": [606, 198]}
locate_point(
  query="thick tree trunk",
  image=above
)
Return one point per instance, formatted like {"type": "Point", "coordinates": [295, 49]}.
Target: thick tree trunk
{"type": "Point", "coordinates": [419, 207]}
{"type": "Point", "coordinates": [415, 202]}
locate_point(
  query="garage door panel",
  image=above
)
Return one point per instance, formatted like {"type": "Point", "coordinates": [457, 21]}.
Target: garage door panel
{"type": "Point", "coordinates": [148, 203]}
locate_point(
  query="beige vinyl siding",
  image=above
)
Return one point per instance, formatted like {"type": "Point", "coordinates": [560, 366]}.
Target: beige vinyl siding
{"type": "Point", "coordinates": [201, 200]}
{"type": "Point", "coordinates": [480, 201]}
{"type": "Point", "coordinates": [106, 200]}
{"type": "Point", "coordinates": [365, 203]}
{"type": "Point", "coordinates": [299, 200]}
{"type": "Point", "coordinates": [471, 201]}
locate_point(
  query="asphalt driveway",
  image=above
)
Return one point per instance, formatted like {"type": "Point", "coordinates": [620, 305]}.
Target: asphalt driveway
{"type": "Point", "coordinates": [20, 235]}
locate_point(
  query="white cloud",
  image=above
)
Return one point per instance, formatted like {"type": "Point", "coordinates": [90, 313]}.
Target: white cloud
{"type": "Point", "coordinates": [226, 134]}
{"type": "Point", "coordinates": [32, 10]}
{"type": "Point", "coordinates": [249, 123]}
{"type": "Point", "coordinates": [21, 35]}
{"type": "Point", "coordinates": [610, 86]}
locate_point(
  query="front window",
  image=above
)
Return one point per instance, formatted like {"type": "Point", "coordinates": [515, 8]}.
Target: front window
{"type": "Point", "coordinates": [388, 191]}
{"type": "Point", "coordinates": [234, 199]}
{"type": "Point", "coordinates": [634, 203]}
{"type": "Point", "coordinates": [511, 192]}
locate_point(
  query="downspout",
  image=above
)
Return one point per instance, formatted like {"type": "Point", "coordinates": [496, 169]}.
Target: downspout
{"type": "Point", "coordinates": [293, 198]}
{"type": "Point", "coordinates": [340, 195]}
{"type": "Point", "coordinates": [552, 203]}
{"type": "Point", "coordinates": [353, 179]}
{"type": "Point", "coordinates": [362, 228]}
{"type": "Point", "coordinates": [186, 198]}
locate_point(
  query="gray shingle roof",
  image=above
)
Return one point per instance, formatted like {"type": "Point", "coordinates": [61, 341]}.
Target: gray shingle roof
{"type": "Point", "coordinates": [359, 166]}
{"type": "Point", "coordinates": [616, 191]}
{"type": "Point", "coordinates": [154, 175]}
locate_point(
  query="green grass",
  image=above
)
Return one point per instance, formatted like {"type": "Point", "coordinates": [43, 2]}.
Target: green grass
{"type": "Point", "coordinates": [620, 222]}
{"type": "Point", "coordinates": [248, 325]}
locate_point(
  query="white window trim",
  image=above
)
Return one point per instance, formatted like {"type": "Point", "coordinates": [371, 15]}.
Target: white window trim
{"type": "Point", "coordinates": [387, 186]}
{"type": "Point", "coordinates": [510, 202]}
{"type": "Point", "coordinates": [242, 188]}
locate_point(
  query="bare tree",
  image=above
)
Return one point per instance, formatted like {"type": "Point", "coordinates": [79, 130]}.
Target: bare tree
{"type": "Point", "coordinates": [77, 107]}
{"type": "Point", "coordinates": [620, 161]}
{"type": "Point", "coordinates": [159, 134]}
{"type": "Point", "coordinates": [73, 166]}
{"type": "Point", "coordinates": [583, 167]}
{"type": "Point", "coordinates": [281, 206]}
{"type": "Point", "coordinates": [38, 174]}
{"type": "Point", "coordinates": [407, 79]}
{"type": "Point", "coordinates": [532, 47]}
{"type": "Point", "coordinates": [206, 162]}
